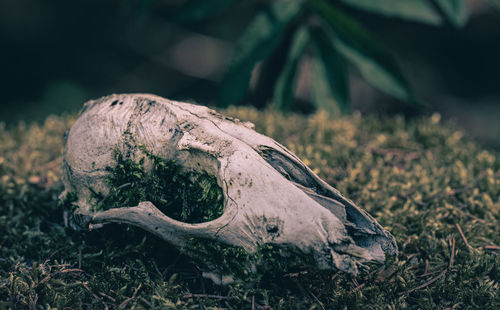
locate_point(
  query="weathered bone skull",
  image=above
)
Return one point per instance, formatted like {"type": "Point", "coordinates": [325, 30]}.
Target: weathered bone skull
{"type": "Point", "coordinates": [270, 196]}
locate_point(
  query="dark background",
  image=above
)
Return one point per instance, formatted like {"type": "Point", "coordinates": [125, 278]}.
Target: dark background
{"type": "Point", "coordinates": [57, 54]}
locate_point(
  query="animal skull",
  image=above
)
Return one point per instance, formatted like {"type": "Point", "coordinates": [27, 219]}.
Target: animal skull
{"type": "Point", "coordinates": [270, 196]}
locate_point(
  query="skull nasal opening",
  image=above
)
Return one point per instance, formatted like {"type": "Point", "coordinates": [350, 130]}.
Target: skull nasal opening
{"type": "Point", "coordinates": [186, 196]}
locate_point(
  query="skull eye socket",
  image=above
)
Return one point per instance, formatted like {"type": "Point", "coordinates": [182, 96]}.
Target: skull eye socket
{"type": "Point", "coordinates": [186, 196]}
{"type": "Point", "coordinates": [303, 180]}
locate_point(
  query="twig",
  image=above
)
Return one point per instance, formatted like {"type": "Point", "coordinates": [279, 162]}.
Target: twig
{"type": "Point", "coordinates": [492, 247]}
{"type": "Point", "coordinates": [32, 302]}
{"type": "Point", "coordinates": [426, 269]}
{"type": "Point", "coordinates": [317, 299]}
{"type": "Point", "coordinates": [80, 259]}
{"type": "Point", "coordinates": [335, 276]}
{"type": "Point", "coordinates": [71, 270]}
{"type": "Point", "coordinates": [400, 226]}
{"type": "Point", "coordinates": [137, 290]}
{"type": "Point", "coordinates": [126, 301]}
{"type": "Point", "coordinates": [107, 296]}
{"type": "Point", "coordinates": [145, 301]}
{"type": "Point", "coordinates": [464, 238]}
{"type": "Point", "coordinates": [428, 273]}
{"type": "Point", "coordinates": [88, 289]}
{"type": "Point", "coordinates": [204, 296]}
{"type": "Point", "coordinates": [294, 274]}
{"type": "Point", "coordinates": [428, 282]}
{"type": "Point", "coordinates": [253, 302]}
{"type": "Point", "coordinates": [48, 277]}
{"type": "Point", "coordinates": [451, 242]}
{"type": "Point", "coordinates": [357, 288]}
{"type": "Point", "coordinates": [482, 221]}
{"type": "Point", "coordinates": [310, 294]}
{"type": "Point", "coordinates": [52, 164]}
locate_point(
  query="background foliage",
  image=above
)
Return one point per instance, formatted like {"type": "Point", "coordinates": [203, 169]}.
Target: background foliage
{"type": "Point", "coordinates": [290, 27]}
{"type": "Point", "coordinates": [280, 35]}
{"type": "Point", "coordinates": [296, 55]}
{"type": "Point", "coordinates": [430, 185]}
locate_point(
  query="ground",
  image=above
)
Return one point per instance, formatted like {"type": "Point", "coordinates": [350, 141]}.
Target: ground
{"type": "Point", "coordinates": [426, 182]}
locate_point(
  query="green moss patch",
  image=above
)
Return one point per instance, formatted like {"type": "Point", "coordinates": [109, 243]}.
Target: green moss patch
{"type": "Point", "coordinates": [426, 182]}
{"type": "Point", "coordinates": [269, 261]}
{"type": "Point", "coordinates": [187, 196]}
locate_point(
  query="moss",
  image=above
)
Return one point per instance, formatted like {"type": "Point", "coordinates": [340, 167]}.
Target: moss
{"type": "Point", "coordinates": [187, 196]}
{"type": "Point", "coordinates": [68, 202]}
{"type": "Point", "coordinates": [421, 179]}
{"type": "Point", "coordinates": [268, 261]}
{"type": "Point", "coordinates": [211, 255]}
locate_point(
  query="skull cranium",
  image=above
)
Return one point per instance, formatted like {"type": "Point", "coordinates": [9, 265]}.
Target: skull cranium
{"type": "Point", "coordinates": [270, 196]}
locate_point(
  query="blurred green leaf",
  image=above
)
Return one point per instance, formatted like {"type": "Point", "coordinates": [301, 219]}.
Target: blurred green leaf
{"type": "Point", "coordinates": [270, 70]}
{"type": "Point", "coordinates": [375, 64]}
{"type": "Point", "coordinates": [454, 10]}
{"type": "Point", "coordinates": [335, 70]}
{"type": "Point", "coordinates": [284, 90]}
{"type": "Point", "coordinates": [258, 40]}
{"type": "Point", "coordinates": [494, 3]}
{"type": "Point", "coordinates": [322, 97]}
{"type": "Point", "coordinates": [417, 10]}
{"type": "Point", "coordinates": [197, 10]}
